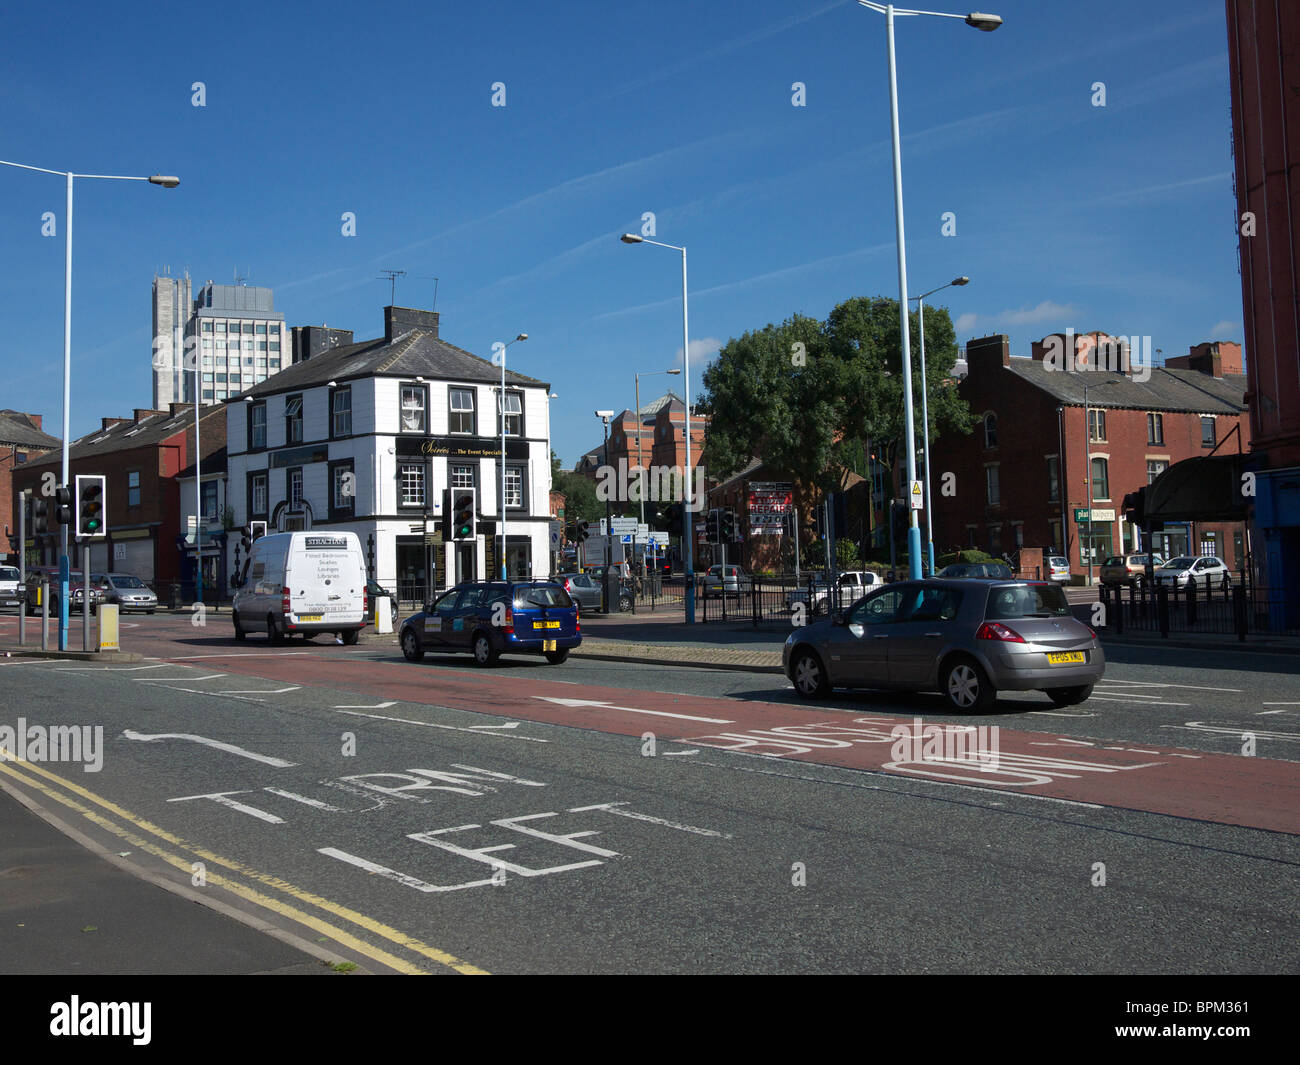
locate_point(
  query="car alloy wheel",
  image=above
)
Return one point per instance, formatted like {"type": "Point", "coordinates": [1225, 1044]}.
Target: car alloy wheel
{"type": "Point", "coordinates": [484, 654]}
{"type": "Point", "coordinates": [966, 687]}
{"type": "Point", "coordinates": [411, 646]}
{"type": "Point", "coordinates": [809, 677]}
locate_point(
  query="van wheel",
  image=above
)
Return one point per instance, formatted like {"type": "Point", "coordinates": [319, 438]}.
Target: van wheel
{"type": "Point", "coordinates": [484, 653]}
{"type": "Point", "coordinates": [965, 686]}
{"type": "Point", "coordinates": [556, 657]}
{"type": "Point", "coordinates": [349, 637]}
{"type": "Point", "coordinates": [411, 646]}
{"type": "Point", "coordinates": [240, 634]}
{"type": "Point", "coordinates": [273, 634]}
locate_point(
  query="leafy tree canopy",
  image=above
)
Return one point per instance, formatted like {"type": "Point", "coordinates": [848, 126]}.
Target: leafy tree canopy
{"type": "Point", "coordinates": [807, 396]}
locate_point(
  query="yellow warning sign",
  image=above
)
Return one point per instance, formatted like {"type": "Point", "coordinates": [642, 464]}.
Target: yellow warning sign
{"type": "Point", "coordinates": [915, 497]}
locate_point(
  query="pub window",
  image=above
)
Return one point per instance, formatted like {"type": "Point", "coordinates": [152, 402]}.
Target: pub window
{"type": "Point", "coordinates": [461, 410]}
{"type": "Point", "coordinates": [414, 408]}
{"type": "Point", "coordinates": [293, 420]}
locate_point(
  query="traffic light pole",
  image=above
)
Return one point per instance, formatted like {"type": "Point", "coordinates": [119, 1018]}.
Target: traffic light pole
{"type": "Point", "coordinates": [85, 598]}
{"type": "Point", "coordinates": [22, 567]}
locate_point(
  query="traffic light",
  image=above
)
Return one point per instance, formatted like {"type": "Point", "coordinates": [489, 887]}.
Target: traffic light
{"type": "Point", "coordinates": [90, 505]}
{"type": "Point", "coordinates": [462, 514]}
{"type": "Point", "coordinates": [730, 527]}
{"type": "Point", "coordinates": [446, 515]}
{"type": "Point", "coordinates": [580, 532]}
{"type": "Point", "coordinates": [713, 523]}
{"type": "Point", "coordinates": [62, 512]}
{"type": "Point", "coordinates": [676, 520]}
{"type": "Point", "coordinates": [256, 529]}
{"type": "Point", "coordinates": [40, 516]}
{"type": "Point", "coordinates": [898, 516]}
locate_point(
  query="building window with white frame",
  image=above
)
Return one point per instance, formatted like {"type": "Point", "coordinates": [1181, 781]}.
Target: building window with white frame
{"type": "Point", "coordinates": [343, 488]}
{"type": "Point", "coordinates": [514, 487]}
{"type": "Point", "coordinates": [461, 410]}
{"type": "Point", "coordinates": [512, 412]}
{"type": "Point", "coordinates": [1155, 467]}
{"type": "Point", "coordinates": [295, 489]}
{"type": "Point", "coordinates": [461, 476]}
{"type": "Point", "coordinates": [341, 413]}
{"type": "Point", "coordinates": [293, 420]}
{"type": "Point", "coordinates": [1155, 429]}
{"type": "Point", "coordinates": [415, 403]}
{"type": "Point", "coordinates": [990, 430]}
{"type": "Point", "coordinates": [258, 504]}
{"type": "Point", "coordinates": [410, 476]}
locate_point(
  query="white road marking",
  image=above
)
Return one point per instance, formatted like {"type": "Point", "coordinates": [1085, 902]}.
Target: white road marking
{"type": "Point", "coordinates": [223, 798]}
{"type": "Point", "coordinates": [1281, 704]}
{"type": "Point", "coordinates": [260, 691]}
{"type": "Point", "coordinates": [1161, 684]}
{"type": "Point", "coordinates": [393, 874]}
{"type": "Point", "coordinates": [1107, 699]}
{"type": "Point", "coordinates": [1198, 726]}
{"type": "Point", "coordinates": [304, 800]}
{"type": "Point", "coordinates": [611, 808]}
{"type": "Point", "coordinates": [1262, 712]}
{"type": "Point", "coordinates": [693, 750]}
{"type": "Point", "coordinates": [165, 680]}
{"type": "Point", "coordinates": [230, 748]}
{"type": "Point", "coordinates": [451, 728]}
{"type": "Point", "coordinates": [238, 654]}
{"type": "Point", "coordinates": [601, 705]}
{"type": "Point", "coordinates": [110, 669]}
{"type": "Point", "coordinates": [351, 706]}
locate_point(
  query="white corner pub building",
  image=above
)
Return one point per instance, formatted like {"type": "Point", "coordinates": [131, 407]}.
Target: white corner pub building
{"type": "Point", "coordinates": [364, 437]}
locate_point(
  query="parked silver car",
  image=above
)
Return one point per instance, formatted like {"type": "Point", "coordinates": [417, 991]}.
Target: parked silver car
{"type": "Point", "coordinates": [734, 582]}
{"type": "Point", "coordinates": [965, 638]}
{"type": "Point", "coordinates": [128, 591]}
{"type": "Point", "coordinates": [1206, 570]}
{"type": "Point", "coordinates": [11, 593]}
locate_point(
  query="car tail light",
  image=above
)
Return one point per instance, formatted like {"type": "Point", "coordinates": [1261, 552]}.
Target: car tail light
{"type": "Point", "coordinates": [1091, 633]}
{"type": "Point", "coordinates": [995, 630]}
{"type": "Point", "coordinates": [284, 601]}
{"type": "Point", "coordinates": [509, 625]}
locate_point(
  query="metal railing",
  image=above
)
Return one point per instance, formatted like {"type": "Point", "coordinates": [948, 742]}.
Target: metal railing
{"type": "Point", "coordinates": [1229, 606]}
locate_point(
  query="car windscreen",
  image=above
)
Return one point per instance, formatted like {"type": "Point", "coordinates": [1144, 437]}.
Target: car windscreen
{"type": "Point", "coordinates": [1182, 562]}
{"type": "Point", "coordinates": [1026, 601]}
{"type": "Point", "coordinates": [8, 573]}
{"type": "Point", "coordinates": [127, 581]}
{"type": "Point", "coordinates": [530, 598]}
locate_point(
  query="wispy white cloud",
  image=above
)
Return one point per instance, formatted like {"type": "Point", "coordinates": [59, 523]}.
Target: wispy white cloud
{"type": "Point", "coordinates": [1044, 312]}
{"type": "Point", "coordinates": [1225, 330]}
{"type": "Point", "coordinates": [771, 275]}
{"type": "Point", "coordinates": [1149, 192]}
{"type": "Point", "coordinates": [965, 322]}
{"type": "Point", "coordinates": [702, 350]}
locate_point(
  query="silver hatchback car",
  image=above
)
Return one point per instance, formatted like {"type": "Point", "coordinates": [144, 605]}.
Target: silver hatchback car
{"type": "Point", "coordinates": [965, 638]}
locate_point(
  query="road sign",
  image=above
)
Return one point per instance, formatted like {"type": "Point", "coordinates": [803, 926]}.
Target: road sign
{"type": "Point", "coordinates": [652, 545]}
{"type": "Point", "coordinates": [642, 532]}
{"type": "Point", "coordinates": [915, 496]}
{"type": "Point", "coordinates": [620, 526]}
{"type": "Point", "coordinates": [557, 533]}
{"type": "Point", "coordinates": [626, 538]}
{"type": "Point", "coordinates": [1080, 513]}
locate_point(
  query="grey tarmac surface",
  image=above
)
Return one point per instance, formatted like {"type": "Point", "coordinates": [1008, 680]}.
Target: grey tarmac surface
{"type": "Point", "coordinates": [716, 862]}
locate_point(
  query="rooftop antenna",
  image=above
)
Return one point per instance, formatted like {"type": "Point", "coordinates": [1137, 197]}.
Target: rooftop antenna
{"type": "Point", "coordinates": [392, 276]}
{"type": "Point", "coordinates": [428, 277]}
{"type": "Point", "coordinates": [240, 280]}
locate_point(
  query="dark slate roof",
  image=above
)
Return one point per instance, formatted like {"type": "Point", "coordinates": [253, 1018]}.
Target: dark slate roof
{"type": "Point", "coordinates": [414, 353]}
{"type": "Point", "coordinates": [213, 463]}
{"type": "Point", "coordinates": [17, 428]}
{"type": "Point", "coordinates": [1165, 390]}
{"type": "Point", "coordinates": [152, 430]}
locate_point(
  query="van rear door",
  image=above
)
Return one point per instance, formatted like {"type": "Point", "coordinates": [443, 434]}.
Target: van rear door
{"type": "Point", "coordinates": [326, 580]}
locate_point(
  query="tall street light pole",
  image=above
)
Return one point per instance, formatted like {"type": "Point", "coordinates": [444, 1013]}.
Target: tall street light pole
{"type": "Point", "coordinates": [688, 536]}
{"type": "Point", "coordinates": [982, 22]}
{"type": "Point", "coordinates": [604, 416]}
{"type": "Point", "coordinates": [166, 182]}
{"type": "Point", "coordinates": [925, 411]}
{"type": "Point", "coordinates": [640, 461]}
{"type": "Point", "coordinates": [501, 413]}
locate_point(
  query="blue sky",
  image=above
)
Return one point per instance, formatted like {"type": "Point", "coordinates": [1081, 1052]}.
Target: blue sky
{"type": "Point", "coordinates": [1118, 218]}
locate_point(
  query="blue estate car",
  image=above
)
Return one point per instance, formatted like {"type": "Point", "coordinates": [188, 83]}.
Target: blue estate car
{"type": "Point", "coordinates": [491, 618]}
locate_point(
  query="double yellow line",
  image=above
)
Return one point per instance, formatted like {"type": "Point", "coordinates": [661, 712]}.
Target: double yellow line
{"type": "Point", "coordinates": [49, 783]}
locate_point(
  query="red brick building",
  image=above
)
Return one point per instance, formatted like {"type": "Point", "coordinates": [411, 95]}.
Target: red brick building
{"type": "Point", "coordinates": [1022, 478]}
{"type": "Point", "coordinates": [140, 456]}
{"type": "Point", "coordinates": [21, 440]}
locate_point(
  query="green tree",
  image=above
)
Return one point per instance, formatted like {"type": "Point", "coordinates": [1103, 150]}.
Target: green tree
{"type": "Point", "coordinates": [580, 502]}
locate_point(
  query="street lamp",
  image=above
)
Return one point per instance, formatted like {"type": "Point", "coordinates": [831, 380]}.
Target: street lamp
{"type": "Point", "coordinates": [501, 412]}
{"type": "Point", "coordinates": [925, 409]}
{"type": "Point", "coordinates": [688, 547]}
{"type": "Point", "coordinates": [980, 21]}
{"type": "Point", "coordinates": [640, 462]}
{"type": "Point", "coordinates": [166, 182]}
{"type": "Point", "coordinates": [604, 416]}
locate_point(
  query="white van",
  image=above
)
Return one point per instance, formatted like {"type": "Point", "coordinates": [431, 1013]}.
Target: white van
{"type": "Point", "coordinates": [302, 582]}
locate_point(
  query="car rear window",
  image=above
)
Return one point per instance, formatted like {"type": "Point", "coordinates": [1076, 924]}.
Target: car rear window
{"type": "Point", "coordinates": [1026, 601]}
{"type": "Point", "coordinates": [527, 598]}
{"type": "Point", "coordinates": [1114, 560]}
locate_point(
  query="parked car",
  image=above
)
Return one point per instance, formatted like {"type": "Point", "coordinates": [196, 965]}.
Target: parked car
{"type": "Point", "coordinates": [1058, 568]}
{"type": "Point", "coordinates": [492, 618]}
{"type": "Point", "coordinates": [302, 583]}
{"type": "Point", "coordinates": [1206, 570]}
{"type": "Point", "coordinates": [375, 590]}
{"type": "Point", "coordinates": [981, 570]}
{"type": "Point", "coordinates": [849, 587]}
{"type": "Point", "coordinates": [735, 582]}
{"type": "Point", "coordinates": [10, 592]}
{"type": "Point", "coordinates": [586, 589]}
{"type": "Point", "coordinates": [965, 638]}
{"type": "Point", "coordinates": [76, 591]}
{"type": "Point", "coordinates": [128, 591]}
{"type": "Point", "coordinates": [1127, 569]}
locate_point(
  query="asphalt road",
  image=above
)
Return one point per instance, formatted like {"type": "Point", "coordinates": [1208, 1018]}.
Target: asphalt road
{"type": "Point", "coordinates": [605, 817]}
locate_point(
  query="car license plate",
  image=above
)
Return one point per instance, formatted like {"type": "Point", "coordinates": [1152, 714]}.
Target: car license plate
{"type": "Point", "coordinates": [311, 617]}
{"type": "Point", "coordinates": [1062, 658]}
{"type": "Point", "coordinates": [549, 645]}
{"type": "Point", "coordinates": [546, 624]}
